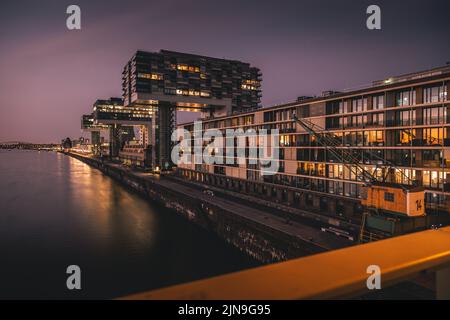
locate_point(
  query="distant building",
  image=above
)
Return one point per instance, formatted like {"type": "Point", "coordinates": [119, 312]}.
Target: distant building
{"type": "Point", "coordinates": [112, 116]}
{"type": "Point", "coordinates": [66, 143]}
{"type": "Point", "coordinates": [112, 111]}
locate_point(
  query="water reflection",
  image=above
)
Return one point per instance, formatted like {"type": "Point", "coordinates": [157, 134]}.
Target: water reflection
{"type": "Point", "coordinates": [56, 211]}
{"type": "Point", "coordinates": [105, 205]}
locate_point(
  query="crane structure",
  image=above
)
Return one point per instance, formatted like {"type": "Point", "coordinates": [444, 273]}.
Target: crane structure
{"type": "Point", "coordinates": [380, 199]}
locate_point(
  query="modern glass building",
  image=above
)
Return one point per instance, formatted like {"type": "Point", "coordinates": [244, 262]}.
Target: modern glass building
{"type": "Point", "coordinates": [168, 81]}
{"type": "Point", "coordinates": [191, 81]}
{"type": "Point", "coordinates": [111, 115]}
{"type": "Point", "coordinates": [404, 121]}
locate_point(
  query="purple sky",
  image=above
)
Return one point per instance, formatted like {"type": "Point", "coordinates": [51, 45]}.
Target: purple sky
{"type": "Point", "coordinates": [50, 76]}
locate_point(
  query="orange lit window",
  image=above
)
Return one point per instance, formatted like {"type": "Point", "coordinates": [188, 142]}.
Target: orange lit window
{"type": "Point", "coordinates": [406, 136]}
{"type": "Point", "coordinates": [434, 135]}
{"type": "Point", "coordinates": [152, 76]}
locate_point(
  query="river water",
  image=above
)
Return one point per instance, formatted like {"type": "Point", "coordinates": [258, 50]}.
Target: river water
{"type": "Point", "coordinates": [56, 211]}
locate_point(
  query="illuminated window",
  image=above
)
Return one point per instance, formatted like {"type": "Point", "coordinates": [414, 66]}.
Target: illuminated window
{"type": "Point", "coordinates": [152, 76]}
{"type": "Point", "coordinates": [321, 169]}
{"type": "Point", "coordinates": [406, 136]}
{"type": "Point", "coordinates": [436, 115]}
{"type": "Point", "coordinates": [378, 119]}
{"type": "Point", "coordinates": [432, 178]}
{"type": "Point", "coordinates": [157, 76]}
{"type": "Point", "coordinates": [248, 87]}
{"type": "Point", "coordinates": [378, 102]}
{"type": "Point", "coordinates": [405, 176]}
{"type": "Point", "coordinates": [248, 120]}
{"type": "Point", "coordinates": [434, 135]}
{"type": "Point", "coordinates": [250, 84]}
{"type": "Point", "coordinates": [359, 104]}
{"type": "Point", "coordinates": [185, 67]}
{"type": "Point", "coordinates": [187, 92]}
{"type": "Point", "coordinates": [405, 98]}
{"type": "Point", "coordinates": [434, 94]}
{"type": "Point", "coordinates": [374, 138]}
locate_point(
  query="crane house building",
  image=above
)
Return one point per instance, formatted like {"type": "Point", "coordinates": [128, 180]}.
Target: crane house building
{"type": "Point", "coordinates": [397, 129]}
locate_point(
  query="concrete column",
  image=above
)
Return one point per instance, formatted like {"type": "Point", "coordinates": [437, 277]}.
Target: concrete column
{"type": "Point", "coordinates": [166, 120]}
{"type": "Point", "coordinates": [95, 140]}
{"type": "Point", "coordinates": [332, 206]}
{"type": "Point", "coordinates": [147, 142]}
{"type": "Point", "coordinates": [419, 160]}
{"type": "Point", "coordinates": [348, 209]}
{"type": "Point", "coordinates": [448, 113]}
{"type": "Point", "coordinates": [448, 90]}
{"type": "Point", "coordinates": [95, 137]}
{"type": "Point", "coordinates": [279, 194]}
{"type": "Point", "coordinates": [419, 95]}
{"type": "Point", "coordinates": [114, 140]}
{"type": "Point", "coordinates": [389, 100]}
{"type": "Point", "coordinates": [369, 102]}
{"type": "Point", "coordinates": [419, 116]}
{"type": "Point", "coordinates": [290, 197]}
{"type": "Point", "coordinates": [316, 202]}
{"type": "Point", "coordinates": [259, 188]}
{"type": "Point", "coordinates": [302, 200]}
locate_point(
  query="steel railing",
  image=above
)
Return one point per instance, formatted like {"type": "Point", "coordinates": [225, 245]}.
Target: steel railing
{"type": "Point", "coordinates": [334, 274]}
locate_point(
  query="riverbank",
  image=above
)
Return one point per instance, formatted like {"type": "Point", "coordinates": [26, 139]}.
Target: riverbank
{"type": "Point", "coordinates": [262, 235]}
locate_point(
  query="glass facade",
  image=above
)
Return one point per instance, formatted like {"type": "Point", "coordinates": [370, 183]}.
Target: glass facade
{"type": "Point", "coordinates": [407, 127]}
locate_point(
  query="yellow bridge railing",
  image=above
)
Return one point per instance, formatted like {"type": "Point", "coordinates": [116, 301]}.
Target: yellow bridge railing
{"type": "Point", "coordinates": [334, 274]}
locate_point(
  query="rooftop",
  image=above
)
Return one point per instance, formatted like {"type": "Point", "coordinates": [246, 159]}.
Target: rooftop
{"type": "Point", "coordinates": [190, 55]}
{"type": "Point", "coordinates": [391, 82]}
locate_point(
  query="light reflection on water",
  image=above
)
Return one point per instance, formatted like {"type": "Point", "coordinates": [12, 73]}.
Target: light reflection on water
{"type": "Point", "coordinates": [56, 211]}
